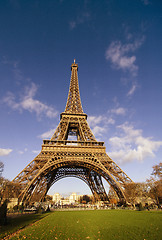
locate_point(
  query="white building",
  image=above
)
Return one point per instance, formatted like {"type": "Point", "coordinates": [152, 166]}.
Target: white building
{"type": "Point", "coordinates": [74, 198]}
{"type": "Point", "coordinates": [56, 198]}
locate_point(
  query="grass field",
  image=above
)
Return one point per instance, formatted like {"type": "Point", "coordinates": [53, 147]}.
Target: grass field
{"type": "Point", "coordinates": [98, 224]}
{"type": "Point", "coordinates": [19, 222]}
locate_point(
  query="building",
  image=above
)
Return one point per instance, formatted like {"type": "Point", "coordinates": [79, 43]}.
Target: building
{"type": "Point", "coordinates": [74, 198]}
{"type": "Point", "coordinates": [56, 198]}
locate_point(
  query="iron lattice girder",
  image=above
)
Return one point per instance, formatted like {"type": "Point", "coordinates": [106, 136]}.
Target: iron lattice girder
{"type": "Point", "coordinates": [54, 157]}
{"type": "Point", "coordinates": [85, 158]}
{"type": "Point", "coordinates": [77, 121]}
{"type": "Point", "coordinates": [73, 104]}
{"type": "Point", "coordinates": [90, 177]}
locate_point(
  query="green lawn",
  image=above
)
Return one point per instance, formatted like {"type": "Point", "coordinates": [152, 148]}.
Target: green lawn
{"type": "Point", "coordinates": [19, 222]}
{"type": "Point", "coordinates": [97, 224]}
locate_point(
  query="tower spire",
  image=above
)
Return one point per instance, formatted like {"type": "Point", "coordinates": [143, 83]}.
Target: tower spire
{"type": "Point", "coordinates": [73, 104]}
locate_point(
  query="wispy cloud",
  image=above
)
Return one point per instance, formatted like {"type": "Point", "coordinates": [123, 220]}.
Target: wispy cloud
{"type": "Point", "coordinates": [98, 131]}
{"type": "Point", "coordinates": [118, 111]}
{"type": "Point", "coordinates": [99, 124]}
{"type": "Point", "coordinates": [131, 145]}
{"type": "Point", "coordinates": [17, 73]}
{"type": "Point", "coordinates": [80, 19]}
{"type": "Point", "coordinates": [29, 103]}
{"type": "Point", "coordinates": [22, 151]}
{"type": "Point", "coordinates": [36, 151]}
{"type": "Point", "coordinates": [146, 2]}
{"type": "Point", "coordinates": [72, 24]}
{"type": "Point", "coordinates": [95, 120]}
{"type": "Point", "coordinates": [132, 90]}
{"type": "Point", "coordinates": [47, 134]}
{"type": "Point", "coordinates": [5, 151]}
{"type": "Point", "coordinates": [121, 57]}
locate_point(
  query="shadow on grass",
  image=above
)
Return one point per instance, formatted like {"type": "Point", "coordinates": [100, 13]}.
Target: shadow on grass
{"type": "Point", "coordinates": [16, 223]}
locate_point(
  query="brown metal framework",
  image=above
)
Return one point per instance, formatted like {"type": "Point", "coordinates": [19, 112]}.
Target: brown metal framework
{"type": "Point", "coordinates": [85, 158]}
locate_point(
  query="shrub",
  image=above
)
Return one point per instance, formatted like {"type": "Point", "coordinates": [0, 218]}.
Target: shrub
{"type": "Point", "coordinates": [140, 208]}
{"type": "Point", "coordinates": [39, 209]}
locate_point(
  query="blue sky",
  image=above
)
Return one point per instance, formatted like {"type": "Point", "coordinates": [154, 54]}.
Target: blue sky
{"type": "Point", "coordinates": [117, 45]}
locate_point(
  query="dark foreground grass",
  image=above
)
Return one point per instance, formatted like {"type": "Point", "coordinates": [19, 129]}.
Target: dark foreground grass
{"type": "Point", "coordinates": [98, 224]}
{"type": "Point", "coordinates": [16, 223]}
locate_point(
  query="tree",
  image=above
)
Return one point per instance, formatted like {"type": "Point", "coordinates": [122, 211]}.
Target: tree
{"type": "Point", "coordinates": [8, 189]}
{"type": "Point", "coordinates": [131, 192]}
{"type": "Point", "coordinates": [3, 206]}
{"type": "Point", "coordinates": [157, 171]}
{"type": "Point", "coordinates": [136, 192]}
{"type": "Point", "coordinates": [11, 189]}
{"type": "Point", "coordinates": [2, 180]}
{"type": "Point", "coordinates": [85, 199]}
{"type": "Point", "coordinates": [1, 168]}
{"type": "Point", "coordinates": [3, 183]}
{"type": "Point", "coordinates": [155, 184]}
{"type": "Point", "coordinates": [112, 196]}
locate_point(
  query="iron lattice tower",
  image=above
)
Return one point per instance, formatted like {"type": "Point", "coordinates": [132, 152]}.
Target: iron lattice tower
{"type": "Point", "coordinates": [84, 158]}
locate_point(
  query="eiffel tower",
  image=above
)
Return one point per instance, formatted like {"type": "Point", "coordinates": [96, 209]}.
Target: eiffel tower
{"type": "Point", "coordinates": [60, 157]}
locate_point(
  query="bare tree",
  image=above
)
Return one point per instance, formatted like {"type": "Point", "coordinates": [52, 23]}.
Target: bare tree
{"type": "Point", "coordinates": [136, 192]}
{"type": "Point", "coordinates": [1, 168]}
{"type": "Point", "coordinates": [131, 192]}
{"type": "Point", "coordinates": [8, 189]}
{"type": "Point", "coordinates": [1, 179]}
{"type": "Point", "coordinates": [157, 171]}
{"type": "Point", "coordinates": [155, 184]}
{"type": "Point", "coordinates": [113, 197]}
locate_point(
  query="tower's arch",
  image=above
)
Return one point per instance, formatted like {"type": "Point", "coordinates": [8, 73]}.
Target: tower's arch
{"type": "Point", "coordinates": [90, 171]}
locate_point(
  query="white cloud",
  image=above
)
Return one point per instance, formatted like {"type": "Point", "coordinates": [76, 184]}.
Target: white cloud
{"type": "Point", "coordinates": [120, 57]}
{"type": "Point", "coordinates": [110, 120]}
{"type": "Point", "coordinates": [99, 124]}
{"type": "Point", "coordinates": [36, 151]}
{"type": "Point", "coordinates": [5, 151]}
{"type": "Point", "coordinates": [29, 103]}
{"type": "Point", "coordinates": [98, 131]}
{"type": "Point", "coordinates": [118, 111]}
{"type": "Point", "coordinates": [47, 134]}
{"type": "Point", "coordinates": [22, 151]}
{"type": "Point", "coordinates": [94, 120]}
{"type": "Point", "coordinates": [131, 145]}
{"type": "Point", "coordinates": [132, 90]}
